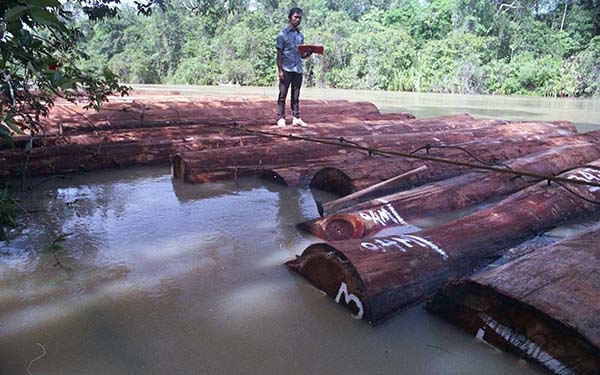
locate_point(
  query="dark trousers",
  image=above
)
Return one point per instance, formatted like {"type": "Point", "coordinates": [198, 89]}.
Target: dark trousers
{"type": "Point", "coordinates": [295, 79]}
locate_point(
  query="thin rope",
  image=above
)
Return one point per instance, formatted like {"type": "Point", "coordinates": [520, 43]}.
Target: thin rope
{"type": "Point", "coordinates": [576, 193]}
{"type": "Point", "coordinates": [429, 146]}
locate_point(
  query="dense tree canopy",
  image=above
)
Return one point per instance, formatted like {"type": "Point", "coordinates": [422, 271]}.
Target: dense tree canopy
{"type": "Point", "coordinates": [535, 47]}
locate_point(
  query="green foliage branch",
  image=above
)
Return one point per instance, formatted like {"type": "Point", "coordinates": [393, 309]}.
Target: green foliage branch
{"type": "Point", "coordinates": [39, 48]}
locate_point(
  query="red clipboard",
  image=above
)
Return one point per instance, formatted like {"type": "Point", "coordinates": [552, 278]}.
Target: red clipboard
{"type": "Point", "coordinates": [315, 48]}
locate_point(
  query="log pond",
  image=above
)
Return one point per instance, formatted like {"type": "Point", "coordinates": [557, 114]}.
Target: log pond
{"type": "Point", "coordinates": [162, 277]}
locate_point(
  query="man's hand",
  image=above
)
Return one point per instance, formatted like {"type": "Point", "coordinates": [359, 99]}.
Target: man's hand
{"type": "Point", "coordinates": [281, 75]}
{"type": "Point", "coordinates": [307, 53]}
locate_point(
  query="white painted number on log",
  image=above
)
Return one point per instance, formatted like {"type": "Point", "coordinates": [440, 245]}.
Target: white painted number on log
{"type": "Point", "coordinates": [343, 291]}
{"type": "Point", "coordinates": [523, 343]}
{"type": "Point", "coordinates": [587, 175]}
{"type": "Point", "coordinates": [402, 243]}
{"type": "Point", "coordinates": [383, 216]}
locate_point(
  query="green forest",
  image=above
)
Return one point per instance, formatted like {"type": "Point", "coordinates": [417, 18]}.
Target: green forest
{"type": "Point", "coordinates": [523, 47]}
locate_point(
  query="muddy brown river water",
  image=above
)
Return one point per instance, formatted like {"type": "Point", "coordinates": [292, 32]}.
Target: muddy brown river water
{"type": "Point", "coordinates": [161, 277]}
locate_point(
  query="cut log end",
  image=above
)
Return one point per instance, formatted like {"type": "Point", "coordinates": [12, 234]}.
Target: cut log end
{"type": "Point", "coordinates": [516, 327]}
{"type": "Point", "coordinates": [335, 227]}
{"type": "Point", "coordinates": [330, 271]}
{"type": "Point", "coordinates": [273, 177]}
{"type": "Point", "coordinates": [334, 181]}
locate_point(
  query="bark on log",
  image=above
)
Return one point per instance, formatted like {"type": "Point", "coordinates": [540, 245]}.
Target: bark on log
{"type": "Point", "coordinates": [383, 275]}
{"type": "Point", "coordinates": [349, 126]}
{"type": "Point", "coordinates": [544, 306]}
{"type": "Point", "coordinates": [356, 171]}
{"type": "Point", "coordinates": [368, 218]}
{"type": "Point", "coordinates": [193, 166]}
{"type": "Point", "coordinates": [344, 178]}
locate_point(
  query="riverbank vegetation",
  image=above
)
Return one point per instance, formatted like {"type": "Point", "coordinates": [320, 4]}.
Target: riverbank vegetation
{"type": "Point", "coordinates": [524, 47]}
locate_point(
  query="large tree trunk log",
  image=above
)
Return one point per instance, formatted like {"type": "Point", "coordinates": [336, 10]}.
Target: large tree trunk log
{"type": "Point", "coordinates": [384, 275]}
{"type": "Point", "coordinates": [355, 171]}
{"type": "Point", "coordinates": [368, 218]}
{"type": "Point", "coordinates": [354, 125]}
{"type": "Point", "coordinates": [193, 166]}
{"type": "Point", "coordinates": [344, 178]}
{"type": "Point", "coordinates": [71, 119]}
{"type": "Point", "coordinates": [544, 306]}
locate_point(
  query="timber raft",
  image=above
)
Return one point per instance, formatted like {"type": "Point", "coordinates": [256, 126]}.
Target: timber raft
{"type": "Point", "coordinates": [391, 171]}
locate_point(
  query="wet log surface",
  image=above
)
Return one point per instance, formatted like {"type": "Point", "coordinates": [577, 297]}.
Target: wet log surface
{"type": "Point", "coordinates": [384, 212]}
{"type": "Point", "coordinates": [544, 306]}
{"type": "Point", "coordinates": [383, 275]}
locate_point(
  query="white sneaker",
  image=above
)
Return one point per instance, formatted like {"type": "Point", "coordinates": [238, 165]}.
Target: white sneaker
{"type": "Point", "coordinates": [298, 121]}
{"type": "Point", "coordinates": [281, 123]}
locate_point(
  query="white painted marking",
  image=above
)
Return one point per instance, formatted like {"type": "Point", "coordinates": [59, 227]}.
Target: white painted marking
{"type": "Point", "coordinates": [343, 291]}
{"type": "Point", "coordinates": [383, 216]}
{"type": "Point", "coordinates": [402, 243]}
{"type": "Point", "coordinates": [399, 218]}
{"type": "Point", "coordinates": [480, 334]}
{"type": "Point", "coordinates": [370, 246]}
{"type": "Point", "coordinates": [426, 242]}
{"type": "Point", "coordinates": [587, 175]}
{"type": "Point", "coordinates": [365, 216]}
{"type": "Point", "coordinates": [383, 243]}
{"type": "Point", "coordinates": [527, 346]}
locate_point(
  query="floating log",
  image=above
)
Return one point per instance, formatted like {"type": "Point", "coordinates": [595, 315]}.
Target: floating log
{"type": "Point", "coordinates": [347, 173]}
{"type": "Point", "coordinates": [329, 206]}
{"type": "Point", "coordinates": [199, 166]}
{"type": "Point", "coordinates": [343, 178]}
{"type": "Point", "coordinates": [368, 218]}
{"type": "Point", "coordinates": [544, 306]}
{"type": "Point", "coordinates": [379, 276]}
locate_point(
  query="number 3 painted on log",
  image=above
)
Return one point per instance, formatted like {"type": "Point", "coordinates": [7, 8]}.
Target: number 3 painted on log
{"type": "Point", "coordinates": [350, 298]}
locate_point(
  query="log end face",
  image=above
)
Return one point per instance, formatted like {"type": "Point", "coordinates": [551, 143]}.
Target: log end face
{"type": "Point", "coordinates": [330, 271]}
{"type": "Point", "coordinates": [335, 227]}
{"type": "Point", "coordinates": [342, 227]}
{"type": "Point", "coordinates": [273, 177]}
{"type": "Point", "coordinates": [334, 181]}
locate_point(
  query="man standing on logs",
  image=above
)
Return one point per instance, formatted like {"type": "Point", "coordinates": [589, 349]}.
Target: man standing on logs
{"type": "Point", "coordinates": [289, 64]}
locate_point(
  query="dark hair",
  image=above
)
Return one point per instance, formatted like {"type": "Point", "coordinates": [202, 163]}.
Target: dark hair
{"type": "Point", "coordinates": [294, 11]}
